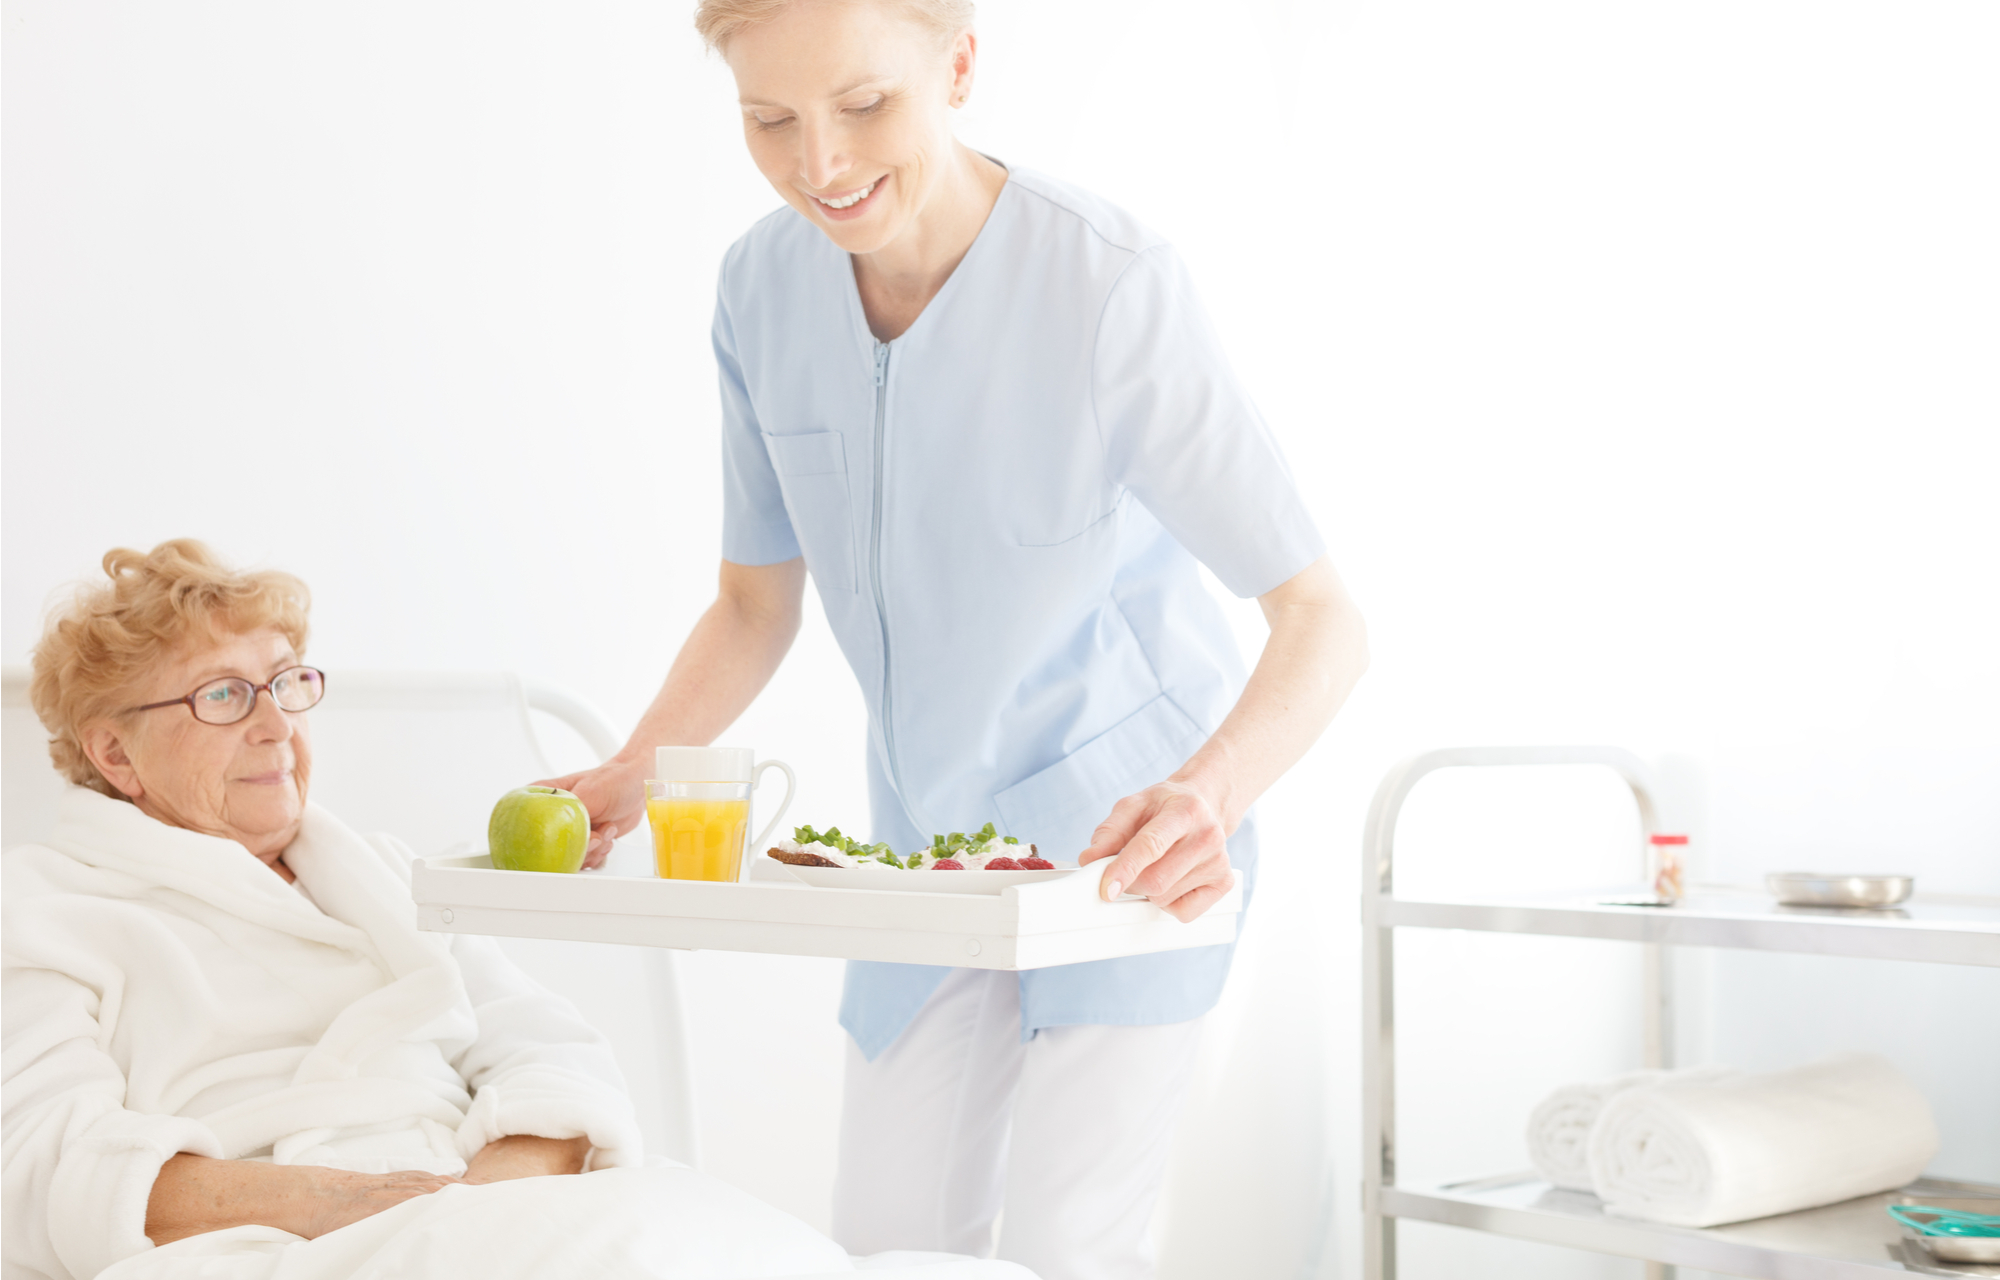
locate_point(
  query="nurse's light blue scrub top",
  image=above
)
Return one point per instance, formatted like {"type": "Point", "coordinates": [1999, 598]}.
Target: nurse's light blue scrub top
{"type": "Point", "coordinates": [1002, 510]}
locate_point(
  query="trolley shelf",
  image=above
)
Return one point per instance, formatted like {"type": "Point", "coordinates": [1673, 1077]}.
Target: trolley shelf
{"type": "Point", "coordinates": [1942, 930]}
{"type": "Point", "coordinates": [1853, 1240]}
{"type": "Point", "coordinates": [1026, 926]}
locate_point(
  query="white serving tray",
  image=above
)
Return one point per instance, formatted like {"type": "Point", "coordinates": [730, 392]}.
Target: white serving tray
{"type": "Point", "coordinates": [1025, 926]}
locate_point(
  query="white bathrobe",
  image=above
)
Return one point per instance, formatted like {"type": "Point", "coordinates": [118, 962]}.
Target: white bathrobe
{"type": "Point", "coordinates": [166, 992]}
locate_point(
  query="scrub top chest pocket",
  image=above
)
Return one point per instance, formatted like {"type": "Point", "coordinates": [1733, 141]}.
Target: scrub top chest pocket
{"type": "Point", "coordinates": [812, 472]}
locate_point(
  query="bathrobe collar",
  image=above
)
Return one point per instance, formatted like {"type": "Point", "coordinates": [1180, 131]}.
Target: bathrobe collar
{"type": "Point", "coordinates": [364, 907]}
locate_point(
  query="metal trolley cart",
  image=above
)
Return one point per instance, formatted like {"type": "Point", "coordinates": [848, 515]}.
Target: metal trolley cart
{"type": "Point", "coordinates": [1854, 1240]}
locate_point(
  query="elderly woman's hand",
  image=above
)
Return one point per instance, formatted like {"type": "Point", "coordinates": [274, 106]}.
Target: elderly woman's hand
{"type": "Point", "coordinates": [525, 1156]}
{"type": "Point", "coordinates": [193, 1195]}
{"type": "Point", "coordinates": [339, 1198]}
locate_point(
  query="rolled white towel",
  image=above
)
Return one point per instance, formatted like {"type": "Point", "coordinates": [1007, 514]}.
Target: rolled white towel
{"type": "Point", "coordinates": [1559, 1129]}
{"type": "Point", "coordinates": [1723, 1147]}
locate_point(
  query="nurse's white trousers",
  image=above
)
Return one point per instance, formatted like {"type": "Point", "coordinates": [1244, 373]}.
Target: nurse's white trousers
{"type": "Point", "coordinates": [958, 1121]}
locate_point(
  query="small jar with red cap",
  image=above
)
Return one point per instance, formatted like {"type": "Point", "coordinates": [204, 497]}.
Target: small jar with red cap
{"type": "Point", "coordinates": [1666, 866]}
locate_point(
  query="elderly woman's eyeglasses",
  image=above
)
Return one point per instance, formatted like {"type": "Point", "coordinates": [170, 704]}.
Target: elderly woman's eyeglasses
{"type": "Point", "coordinates": [228, 700]}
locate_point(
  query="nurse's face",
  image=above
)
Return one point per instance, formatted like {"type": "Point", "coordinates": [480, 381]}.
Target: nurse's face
{"type": "Point", "coordinates": [846, 107]}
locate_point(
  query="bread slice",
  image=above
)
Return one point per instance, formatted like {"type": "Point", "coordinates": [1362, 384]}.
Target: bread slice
{"type": "Point", "coordinates": [802, 859]}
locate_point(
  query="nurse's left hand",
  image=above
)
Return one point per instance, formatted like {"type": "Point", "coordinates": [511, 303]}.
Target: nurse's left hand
{"type": "Point", "coordinates": [1171, 847]}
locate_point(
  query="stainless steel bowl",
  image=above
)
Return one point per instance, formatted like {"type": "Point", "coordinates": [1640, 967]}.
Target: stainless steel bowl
{"type": "Point", "coordinates": [1985, 1249]}
{"type": "Point", "coordinates": [1825, 889]}
{"type": "Point", "coordinates": [1981, 1249]}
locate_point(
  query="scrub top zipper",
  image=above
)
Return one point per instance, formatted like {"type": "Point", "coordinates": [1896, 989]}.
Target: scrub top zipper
{"type": "Point", "coordinates": [875, 574]}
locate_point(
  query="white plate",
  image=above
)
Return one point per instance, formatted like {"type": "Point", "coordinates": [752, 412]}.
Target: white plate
{"type": "Point", "coordinates": [920, 881]}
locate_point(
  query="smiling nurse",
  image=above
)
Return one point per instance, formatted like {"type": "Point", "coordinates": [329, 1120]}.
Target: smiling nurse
{"type": "Point", "coordinates": [985, 411]}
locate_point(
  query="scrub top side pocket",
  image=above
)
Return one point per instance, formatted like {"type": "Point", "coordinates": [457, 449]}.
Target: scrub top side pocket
{"type": "Point", "coordinates": [812, 472]}
{"type": "Point", "coordinates": [1060, 807]}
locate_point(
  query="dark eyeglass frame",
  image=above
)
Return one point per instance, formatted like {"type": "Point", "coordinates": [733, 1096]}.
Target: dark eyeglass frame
{"type": "Point", "coordinates": [250, 708]}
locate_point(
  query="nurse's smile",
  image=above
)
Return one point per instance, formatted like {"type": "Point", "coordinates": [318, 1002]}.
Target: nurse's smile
{"type": "Point", "coordinates": [850, 204]}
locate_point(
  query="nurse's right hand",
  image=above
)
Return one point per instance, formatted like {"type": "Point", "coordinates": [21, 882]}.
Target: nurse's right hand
{"type": "Point", "coordinates": [615, 794]}
{"type": "Point", "coordinates": [727, 661]}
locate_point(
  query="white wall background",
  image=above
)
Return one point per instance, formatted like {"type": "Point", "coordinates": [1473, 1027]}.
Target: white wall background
{"type": "Point", "coordinates": [1640, 361]}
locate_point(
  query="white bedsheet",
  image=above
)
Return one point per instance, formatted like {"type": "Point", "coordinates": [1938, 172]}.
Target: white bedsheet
{"type": "Point", "coordinates": [941, 1266]}
{"type": "Point", "coordinates": [655, 1223]}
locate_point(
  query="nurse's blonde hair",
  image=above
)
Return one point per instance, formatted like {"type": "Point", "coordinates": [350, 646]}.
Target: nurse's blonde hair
{"type": "Point", "coordinates": [96, 651]}
{"type": "Point", "coordinates": [717, 20]}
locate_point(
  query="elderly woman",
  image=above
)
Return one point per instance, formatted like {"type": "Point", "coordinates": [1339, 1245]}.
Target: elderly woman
{"type": "Point", "coordinates": [229, 1052]}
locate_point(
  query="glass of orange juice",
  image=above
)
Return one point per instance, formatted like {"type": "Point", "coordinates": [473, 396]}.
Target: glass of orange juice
{"type": "Point", "coordinates": [699, 810]}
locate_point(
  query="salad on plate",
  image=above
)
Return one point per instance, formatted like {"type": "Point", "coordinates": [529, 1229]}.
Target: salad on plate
{"type": "Point", "coordinates": [983, 850]}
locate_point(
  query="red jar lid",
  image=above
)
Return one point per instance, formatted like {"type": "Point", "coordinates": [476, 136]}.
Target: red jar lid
{"type": "Point", "coordinates": [1669, 839]}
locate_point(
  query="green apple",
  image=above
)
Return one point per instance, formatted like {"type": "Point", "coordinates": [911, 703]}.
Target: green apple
{"type": "Point", "coordinates": [538, 829]}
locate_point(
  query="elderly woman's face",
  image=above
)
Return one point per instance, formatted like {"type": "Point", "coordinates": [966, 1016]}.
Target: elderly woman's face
{"type": "Point", "coordinates": [244, 781]}
{"type": "Point", "coordinates": [846, 109]}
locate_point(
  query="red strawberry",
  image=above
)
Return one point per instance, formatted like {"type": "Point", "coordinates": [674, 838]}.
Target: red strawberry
{"type": "Point", "coordinates": [947, 864]}
{"type": "Point", "coordinates": [1003, 864]}
{"type": "Point", "coordinates": [1034, 862]}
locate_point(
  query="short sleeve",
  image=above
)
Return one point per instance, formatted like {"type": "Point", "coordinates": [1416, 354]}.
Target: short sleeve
{"type": "Point", "coordinates": [1184, 438]}
{"type": "Point", "coordinates": [755, 526]}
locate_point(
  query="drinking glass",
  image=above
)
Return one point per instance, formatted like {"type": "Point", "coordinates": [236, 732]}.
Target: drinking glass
{"type": "Point", "coordinates": [699, 810]}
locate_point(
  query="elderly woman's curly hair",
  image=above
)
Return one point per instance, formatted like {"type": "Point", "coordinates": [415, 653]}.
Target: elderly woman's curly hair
{"type": "Point", "coordinates": [96, 651]}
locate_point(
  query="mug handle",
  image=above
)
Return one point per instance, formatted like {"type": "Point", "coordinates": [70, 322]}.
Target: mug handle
{"type": "Point", "coordinates": [791, 785]}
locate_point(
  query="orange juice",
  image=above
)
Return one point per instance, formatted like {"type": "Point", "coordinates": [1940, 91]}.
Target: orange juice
{"type": "Point", "coordinates": [697, 839]}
